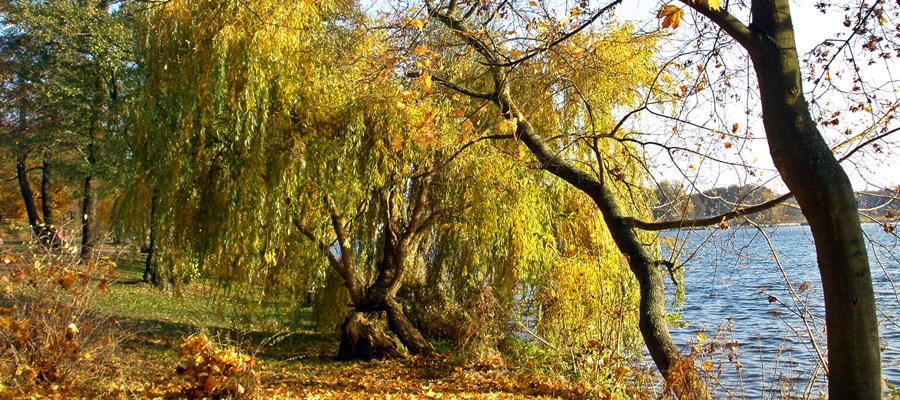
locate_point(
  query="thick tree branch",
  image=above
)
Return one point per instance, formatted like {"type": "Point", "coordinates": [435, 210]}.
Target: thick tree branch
{"type": "Point", "coordinates": [321, 244]}
{"type": "Point", "coordinates": [337, 222]}
{"type": "Point", "coordinates": [419, 205]}
{"type": "Point", "coordinates": [731, 25]}
{"type": "Point", "coordinates": [343, 265]}
{"type": "Point", "coordinates": [430, 221]}
{"type": "Point", "coordinates": [460, 89]}
{"type": "Point", "coordinates": [706, 221]}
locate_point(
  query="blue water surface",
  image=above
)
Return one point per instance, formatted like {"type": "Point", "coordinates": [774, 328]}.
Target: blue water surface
{"type": "Point", "coordinates": [755, 335]}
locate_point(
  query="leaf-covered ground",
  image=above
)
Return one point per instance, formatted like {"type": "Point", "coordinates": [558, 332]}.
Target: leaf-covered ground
{"type": "Point", "coordinates": [302, 366]}
{"type": "Point", "coordinates": [289, 363]}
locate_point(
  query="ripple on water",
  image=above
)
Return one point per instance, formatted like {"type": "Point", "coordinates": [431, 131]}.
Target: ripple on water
{"type": "Point", "coordinates": [731, 282]}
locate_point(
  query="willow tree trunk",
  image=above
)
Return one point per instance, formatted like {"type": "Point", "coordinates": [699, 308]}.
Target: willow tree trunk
{"type": "Point", "coordinates": [365, 336]}
{"type": "Point", "coordinates": [826, 197]}
{"type": "Point", "coordinates": [382, 294]}
{"type": "Point", "coordinates": [380, 298]}
{"type": "Point", "coordinates": [408, 334]}
{"type": "Point", "coordinates": [34, 221]}
{"type": "Point", "coordinates": [377, 327]}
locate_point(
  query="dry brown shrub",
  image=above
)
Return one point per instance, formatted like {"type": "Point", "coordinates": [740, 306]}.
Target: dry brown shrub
{"type": "Point", "coordinates": [472, 323]}
{"type": "Point", "coordinates": [49, 341]}
{"type": "Point", "coordinates": [218, 371]}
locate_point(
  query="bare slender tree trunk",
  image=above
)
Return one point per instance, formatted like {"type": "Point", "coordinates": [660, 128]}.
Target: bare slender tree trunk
{"type": "Point", "coordinates": [47, 196]}
{"type": "Point", "coordinates": [89, 212]}
{"type": "Point", "coordinates": [34, 221]}
{"type": "Point", "coordinates": [89, 232]}
{"type": "Point", "coordinates": [150, 273]}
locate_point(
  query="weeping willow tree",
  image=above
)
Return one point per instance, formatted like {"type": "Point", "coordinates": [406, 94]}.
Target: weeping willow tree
{"type": "Point", "coordinates": [564, 120]}
{"type": "Point", "coordinates": [543, 242]}
{"type": "Point", "coordinates": [261, 130]}
{"type": "Point", "coordinates": [281, 144]}
{"type": "Point", "coordinates": [277, 143]}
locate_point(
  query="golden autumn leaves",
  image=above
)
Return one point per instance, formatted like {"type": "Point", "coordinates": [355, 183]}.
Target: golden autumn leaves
{"type": "Point", "coordinates": [671, 15]}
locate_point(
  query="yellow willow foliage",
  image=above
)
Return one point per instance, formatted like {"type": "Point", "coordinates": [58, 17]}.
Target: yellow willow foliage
{"type": "Point", "coordinates": [250, 113]}
{"type": "Point", "coordinates": [238, 99]}
{"type": "Point", "coordinates": [550, 253]}
{"type": "Point", "coordinates": [503, 233]}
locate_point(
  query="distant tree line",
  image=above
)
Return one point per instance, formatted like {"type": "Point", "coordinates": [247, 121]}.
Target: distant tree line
{"type": "Point", "coordinates": [675, 201]}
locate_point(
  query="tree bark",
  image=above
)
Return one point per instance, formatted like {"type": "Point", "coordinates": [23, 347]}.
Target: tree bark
{"type": "Point", "coordinates": [826, 197]}
{"type": "Point", "coordinates": [364, 336]}
{"type": "Point", "coordinates": [408, 334]}
{"type": "Point", "coordinates": [358, 334]}
{"type": "Point", "coordinates": [381, 295]}
{"type": "Point", "coordinates": [150, 273]}
{"type": "Point", "coordinates": [34, 221]}
{"type": "Point", "coordinates": [49, 232]}
{"type": "Point", "coordinates": [47, 196]}
{"type": "Point", "coordinates": [89, 211]}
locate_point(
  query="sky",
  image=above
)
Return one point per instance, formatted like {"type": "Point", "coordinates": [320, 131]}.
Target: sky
{"type": "Point", "coordinates": [811, 28]}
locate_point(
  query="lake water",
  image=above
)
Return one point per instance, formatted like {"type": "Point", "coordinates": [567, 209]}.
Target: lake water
{"type": "Point", "coordinates": [738, 298]}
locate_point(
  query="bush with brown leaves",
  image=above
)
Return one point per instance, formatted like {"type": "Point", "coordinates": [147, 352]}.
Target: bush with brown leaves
{"type": "Point", "coordinates": [49, 342]}
{"type": "Point", "coordinates": [214, 370]}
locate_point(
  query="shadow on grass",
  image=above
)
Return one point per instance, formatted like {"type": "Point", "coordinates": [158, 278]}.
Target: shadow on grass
{"type": "Point", "coordinates": [167, 336]}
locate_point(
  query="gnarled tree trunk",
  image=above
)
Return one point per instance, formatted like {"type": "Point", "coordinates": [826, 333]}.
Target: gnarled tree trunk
{"type": "Point", "coordinates": [365, 336]}
{"type": "Point", "coordinates": [408, 334]}
{"type": "Point", "coordinates": [378, 327]}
